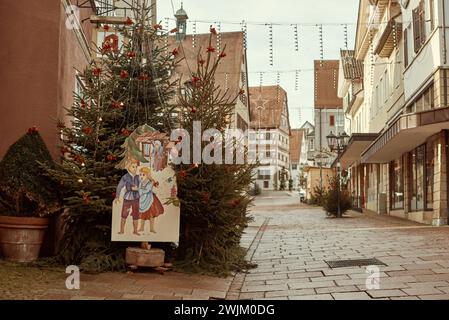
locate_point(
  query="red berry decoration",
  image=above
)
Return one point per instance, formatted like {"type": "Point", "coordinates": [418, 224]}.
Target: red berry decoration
{"type": "Point", "coordinates": [143, 76]}
{"type": "Point", "coordinates": [193, 110]}
{"type": "Point", "coordinates": [79, 159]}
{"type": "Point", "coordinates": [213, 31]}
{"type": "Point", "coordinates": [82, 104]}
{"type": "Point", "coordinates": [87, 130]}
{"type": "Point", "coordinates": [173, 30]}
{"type": "Point", "coordinates": [32, 130]}
{"type": "Point", "coordinates": [86, 198]}
{"type": "Point", "coordinates": [183, 174]}
{"type": "Point", "coordinates": [106, 27]}
{"type": "Point", "coordinates": [201, 61]}
{"type": "Point", "coordinates": [124, 74]}
{"type": "Point", "coordinates": [125, 132]}
{"type": "Point", "coordinates": [175, 52]}
{"type": "Point", "coordinates": [131, 54]}
{"type": "Point", "coordinates": [241, 92]}
{"type": "Point", "coordinates": [116, 105]}
{"type": "Point", "coordinates": [157, 27]}
{"type": "Point", "coordinates": [110, 157]}
{"type": "Point", "coordinates": [129, 21]}
{"type": "Point", "coordinates": [97, 71]}
{"type": "Point", "coordinates": [222, 55]}
{"type": "Point", "coordinates": [210, 49]}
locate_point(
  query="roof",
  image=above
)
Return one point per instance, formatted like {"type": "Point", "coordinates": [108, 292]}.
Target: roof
{"type": "Point", "coordinates": [326, 84]}
{"type": "Point", "coordinates": [296, 138]}
{"type": "Point", "coordinates": [229, 72]}
{"type": "Point", "coordinates": [266, 106]}
{"type": "Point", "coordinates": [352, 68]}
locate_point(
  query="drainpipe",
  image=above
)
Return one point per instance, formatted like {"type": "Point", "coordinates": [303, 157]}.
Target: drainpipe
{"type": "Point", "coordinates": [446, 143]}
{"type": "Point", "coordinates": [444, 32]}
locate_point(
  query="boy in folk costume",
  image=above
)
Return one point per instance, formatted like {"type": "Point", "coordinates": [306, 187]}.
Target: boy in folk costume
{"type": "Point", "coordinates": [131, 182]}
{"type": "Point", "coordinates": [150, 207]}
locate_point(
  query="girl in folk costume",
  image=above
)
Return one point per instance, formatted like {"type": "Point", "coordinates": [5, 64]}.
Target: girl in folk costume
{"type": "Point", "coordinates": [150, 207]}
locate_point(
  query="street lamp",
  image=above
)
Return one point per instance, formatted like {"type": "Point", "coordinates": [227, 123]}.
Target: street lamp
{"type": "Point", "coordinates": [338, 144]}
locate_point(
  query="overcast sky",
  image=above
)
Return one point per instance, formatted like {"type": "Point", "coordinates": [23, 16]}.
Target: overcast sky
{"type": "Point", "coordinates": [307, 14]}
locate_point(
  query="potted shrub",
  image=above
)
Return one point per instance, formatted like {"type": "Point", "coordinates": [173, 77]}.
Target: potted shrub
{"type": "Point", "coordinates": [27, 197]}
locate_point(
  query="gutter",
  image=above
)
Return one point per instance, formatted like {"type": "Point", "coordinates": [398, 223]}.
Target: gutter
{"type": "Point", "coordinates": [444, 32]}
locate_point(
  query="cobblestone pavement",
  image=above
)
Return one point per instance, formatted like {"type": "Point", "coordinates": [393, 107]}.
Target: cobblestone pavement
{"type": "Point", "coordinates": [296, 240]}
{"type": "Point", "coordinates": [290, 243]}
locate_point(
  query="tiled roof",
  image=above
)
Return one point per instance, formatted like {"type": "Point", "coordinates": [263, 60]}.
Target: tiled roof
{"type": "Point", "coordinates": [352, 68]}
{"type": "Point", "coordinates": [326, 84]}
{"type": "Point", "coordinates": [229, 73]}
{"type": "Point", "coordinates": [266, 106]}
{"type": "Point", "coordinates": [296, 139]}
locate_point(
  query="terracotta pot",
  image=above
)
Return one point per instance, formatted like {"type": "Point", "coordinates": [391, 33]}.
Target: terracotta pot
{"type": "Point", "coordinates": [21, 237]}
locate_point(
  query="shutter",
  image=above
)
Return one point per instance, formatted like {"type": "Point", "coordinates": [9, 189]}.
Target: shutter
{"type": "Point", "coordinates": [416, 31]}
{"type": "Point", "coordinates": [422, 22]}
{"type": "Point", "coordinates": [406, 47]}
{"type": "Point", "coordinates": [432, 14]}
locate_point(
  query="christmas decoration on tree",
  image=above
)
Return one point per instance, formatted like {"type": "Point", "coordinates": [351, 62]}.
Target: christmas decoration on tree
{"type": "Point", "coordinates": [123, 90]}
{"type": "Point", "coordinates": [214, 197]}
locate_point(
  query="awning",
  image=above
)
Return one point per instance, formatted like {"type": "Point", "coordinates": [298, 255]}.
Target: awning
{"type": "Point", "coordinates": [356, 145]}
{"type": "Point", "coordinates": [405, 134]}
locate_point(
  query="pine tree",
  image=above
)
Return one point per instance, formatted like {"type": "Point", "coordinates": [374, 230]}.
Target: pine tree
{"type": "Point", "coordinates": [214, 197]}
{"type": "Point", "coordinates": [124, 89]}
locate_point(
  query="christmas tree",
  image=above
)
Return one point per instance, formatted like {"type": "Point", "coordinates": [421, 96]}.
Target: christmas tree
{"type": "Point", "coordinates": [214, 197]}
{"type": "Point", "coordinates": [127, 87]}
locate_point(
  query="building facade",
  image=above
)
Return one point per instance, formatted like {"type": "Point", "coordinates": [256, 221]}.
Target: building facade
{"type": "Point", "coordinates": [270, 126]}
{"type": "Point", "coordinates": [298, 157]}
{"type": "Point", "coordinates": [397, 163]}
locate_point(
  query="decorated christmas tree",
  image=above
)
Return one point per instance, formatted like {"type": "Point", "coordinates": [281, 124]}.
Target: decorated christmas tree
{"type": "Point", "coordinates": [214, 197]}
{"type": "Point", "coordinates": [127, 87]}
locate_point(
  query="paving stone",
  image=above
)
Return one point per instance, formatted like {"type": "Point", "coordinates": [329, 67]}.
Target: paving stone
{"type": "Point", "coordinates": [386, 293]}
{"type": "Point", "coordinates": [312, 297]}
{"type": "Point", "coordinates": [351, 296]}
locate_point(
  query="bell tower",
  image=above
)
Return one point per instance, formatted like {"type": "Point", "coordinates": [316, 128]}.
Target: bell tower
{"type": "Point", "coordinates": [181, 24]}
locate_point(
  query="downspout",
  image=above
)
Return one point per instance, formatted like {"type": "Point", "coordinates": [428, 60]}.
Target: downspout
{"type": "Point", "coordinates": [444, 32]}
{"type": "Point", "coordinates": [446, 143]}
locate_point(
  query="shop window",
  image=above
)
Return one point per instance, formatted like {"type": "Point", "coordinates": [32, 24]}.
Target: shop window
{"type": "Point", "coordinates": [416, 178]}
{"type": "Point", "coordinates": [430, 162]}
{"type": "Point", "coordinates": [397, 184]}
{"type": "Point", "coordinates": [332, 121]}
{"type": "Point", "coordinates": [266, 184]}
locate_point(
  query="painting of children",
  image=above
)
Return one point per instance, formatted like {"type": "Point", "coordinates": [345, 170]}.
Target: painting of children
{"type": "Point", "coordinates": [150, 207]}
{"type": "Point", "coordinates": [147, 191]}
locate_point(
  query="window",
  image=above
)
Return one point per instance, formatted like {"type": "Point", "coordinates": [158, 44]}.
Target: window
{"type": "Point", "coordinates": [312, 145]}
{"type": "Point", "coordinates": [332, 120]}
{"type": "Point", "coordinates": [266, 184]}
{"type": "Point", "coordinates": [267, 136]}
{"type": "Point", "coordinates": [268, 154]}
{"type": "Point", "coordinates": [397, 71]}
{"type": "Point", "coordinates": [430, 162]}
{"type": "Point", "coordinates": [416, 178]}
{"type": "Point", "coordinates": [419, 27]}
{"type": "Point", "coordinates": [294, 166]}
{"type": "Point", "coordinates": [264, 174]}
{"type": "Point", "coordinates": [386, 86]}
{"type": "Point", "coordinates": [397, 184]}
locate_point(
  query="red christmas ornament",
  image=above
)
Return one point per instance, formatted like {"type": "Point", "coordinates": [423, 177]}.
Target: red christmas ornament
{"type": "Point", "coordinates": [193, 110]}
{"type": "Point", "coordinates": [110, 157]}
{"type": "Point", "coordinates": [222, 55]}
{"type": "Point", "coordinates": [124, 74]}
{"type": "Point", "coordinates": [106, 27]}
{"type": "Point", "coordinates": [106, 47]}
{"type": "Point", "coordinates": [125, 132]}
{"type": "Point", "coordinates": [79, 159]}
{"type": "Point", "coordinates": [241, 92]}
{"type": "Point", "coordinates": [143, 76]}
{"type": "Point", "coordinates": [32, 130]}
{"type": "Point", "coordinates": [131, 54]}
{"type": "Point", "coordinates": [129, 21]}
{"type": "Point", "coordinates": [86, 198]}
{"type": "Point", "coordinates": [183, 174]}
{"type": "Point", "coordinates": [210, 49]}
{"type": "Point", "coordinates": [213, 31]}
{"type": "Point", "coordinates": [96, 71]}
{"type": "Point", "coordinates": [82, 104]}
{"type": "Point", "coordinates": [175, 52]}
{"type": "Point", "coordinates": [87, 130]}
{"type": "Point", "coordinates": [116, 105]}
{"type": "Point", "coordinates": [173, 30]}
{"type": "Point", "coordinates": [157, 27]}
